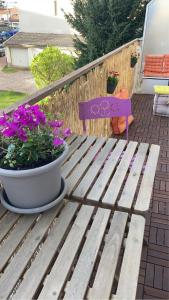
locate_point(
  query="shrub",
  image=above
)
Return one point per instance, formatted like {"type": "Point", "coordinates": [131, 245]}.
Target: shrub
{"type": "Point", "coordinates": [50, 65]}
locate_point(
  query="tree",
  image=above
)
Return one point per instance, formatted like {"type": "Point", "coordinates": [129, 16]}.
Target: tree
{"type": "Point", "coordinates": [105, 25]}
{"type": "Point", "coordinates": [50, 65]}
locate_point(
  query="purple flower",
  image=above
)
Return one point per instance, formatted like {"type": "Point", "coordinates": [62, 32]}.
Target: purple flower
{"type": "Point", "coordinates": [3, 119]}
{"type": "Point", "coordinates": [56, 131]}
{"type": "Point", "coordinates": [55, 123]}
{"type": "Point", "coordinates": [8, 132]}
{"type": "Point", "coordinates": [58, 142]}
{"type": "Point", "coordinates": [22, 135]}
{"type": "Point", "coordinates": [29, 116]}
{"type": "Point", "coordinates": [66, 132]}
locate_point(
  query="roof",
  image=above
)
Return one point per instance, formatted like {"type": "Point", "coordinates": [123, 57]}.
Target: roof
{"type": "Point", "coordinates": [26, 39]}
{"type": "Point", "coordinates": [9, 11]}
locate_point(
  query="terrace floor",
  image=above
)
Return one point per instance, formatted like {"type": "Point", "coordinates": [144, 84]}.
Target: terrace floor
{"type": "Point", "coordinates": [154, 271]}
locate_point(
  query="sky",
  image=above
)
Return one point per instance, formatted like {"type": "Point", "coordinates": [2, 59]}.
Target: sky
{"type": "Point", "coordinates": [11, 3]}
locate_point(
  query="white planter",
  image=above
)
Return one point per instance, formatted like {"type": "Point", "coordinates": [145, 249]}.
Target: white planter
{"type": "Point", "coordinates": [34, 187]}
{"type": "Point", "coordinates": [161, 105]}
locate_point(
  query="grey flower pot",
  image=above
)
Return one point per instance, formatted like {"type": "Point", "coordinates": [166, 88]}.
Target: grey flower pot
{"type": "Point", "coordinates": [34, 187]}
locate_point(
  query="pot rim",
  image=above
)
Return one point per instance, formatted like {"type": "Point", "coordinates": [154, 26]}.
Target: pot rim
{"type": "Point", "coordinates": [35, 171]}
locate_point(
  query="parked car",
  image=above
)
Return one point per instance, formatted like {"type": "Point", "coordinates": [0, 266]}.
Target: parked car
{"type": "Point", "coordinates": [2, 50]}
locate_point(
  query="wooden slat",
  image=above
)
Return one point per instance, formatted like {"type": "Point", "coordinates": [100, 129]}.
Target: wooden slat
{"type": "Point", "coordinates": [119, 176]}
{"type": "Point", "coordinates": [76, 157]}
{"type": "Point", "coordinates": [81, 168]}
{"type": "Point", "coordinates": [28, 287]}
{"type": "Point", "coordinates": [78, 284]}
{"type": "Point", "coordinates": [56, 279]}
{"type": "Point", "coordinates": [18, 264]}
{"type": "Point", "coordinates": [93, 171]}
{"type": "Point", "coordinates": [17, 234]}
{"type": "Point", "coordinates": [100, 184]}
{"type": "Point", "coordinates": [129, 190]}
{"type": "Point", "coordinates": [2, 210]}
{"type": "Point", "coordinates": [71, 138]}
{"type": "Point", "coordinates": [129, 272]}
{"type": "Point", "coordinates": [146, 188]}
{"type": "Point", "coordinates": [74, 146]}
{"type": "Point", "coordinates": [106, 271]}
{"type": "Point", "coordinates": [6, 223]}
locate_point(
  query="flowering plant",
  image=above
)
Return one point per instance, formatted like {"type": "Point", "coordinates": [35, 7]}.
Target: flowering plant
{"type": "Point", "coordinates": [113, 77]}
{"type": "Point", "coordinates": [133, 59]}
{"type": "Point", "coordinates": [30, 139]}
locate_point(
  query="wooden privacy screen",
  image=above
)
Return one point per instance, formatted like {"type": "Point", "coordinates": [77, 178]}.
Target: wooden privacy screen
{"type": "Point", "coordinates": [92, 85]}
{"type": "Point", "coordinates": [86, 83]}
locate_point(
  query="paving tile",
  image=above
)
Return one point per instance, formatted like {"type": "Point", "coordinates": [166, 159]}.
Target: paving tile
{"type": "Point", "coordinates": [154, 270]}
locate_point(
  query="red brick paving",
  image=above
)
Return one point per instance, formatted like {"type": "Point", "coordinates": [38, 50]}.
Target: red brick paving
{"type": "Point", "coordinates": [154, 270]}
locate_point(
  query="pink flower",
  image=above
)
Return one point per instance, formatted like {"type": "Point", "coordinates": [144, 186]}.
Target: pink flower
{"type": "Point", "coordinates": [66, 132]}
{"type": "Point", "coordinates": [58, 142]}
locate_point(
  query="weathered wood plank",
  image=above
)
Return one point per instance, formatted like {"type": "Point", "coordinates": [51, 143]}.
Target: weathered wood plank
{"type": "Point", "coordinates": [78, 284]}
{"type": "Point", "coordinates": [59, 273]}
{"type": "Point", "coordinates": [119, 176]}
{"type": "Point", "coordinates": [106, 271]}
{"type": "Point", "coordinates": [18, 264]}
{"type": "Point", "coordinates": [129, 190]}
{"type": "Point", "coordinates": [71, 138]}
{"type": "Point", "coordinates": [2, 210]}
{"type": "Point", "coordinates": [100, 184]}
{"type": "Point", "coordinates": [146, 188]}
{"type": "Point", "coordinates": [13, 240]}
{"type": "Point", "coordinates": [74, 146]}
{"type": "Point", "coordinates": [129, 272]}
{"type": "Point", "coordinates": [93, 171]}
{"type": "Point", "coordinates": [6, 223]}
{"type": "Point", "coordinates": [81, 168]}
{"type": "Point", "coordinates": [76, 157]}
{"type": "Point", "coordinates": [39, 266]}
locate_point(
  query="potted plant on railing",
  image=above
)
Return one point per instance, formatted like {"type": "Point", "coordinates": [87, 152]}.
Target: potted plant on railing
{"type": "Point", "coordinates": [112, 82]}
{"type": "Point", "coordinates": [32, 150]}
{"type": "Point", "coordinates": [133, 60]}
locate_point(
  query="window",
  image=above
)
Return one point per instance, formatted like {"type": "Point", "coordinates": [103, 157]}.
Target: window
{"type": "Point", "coordinates": [55, 7]}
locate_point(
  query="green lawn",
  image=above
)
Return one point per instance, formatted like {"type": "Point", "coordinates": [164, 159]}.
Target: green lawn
{"type": "Point", "coordinates": [7, 69]}
{"type": "Point", "coordinates": [8, 98]}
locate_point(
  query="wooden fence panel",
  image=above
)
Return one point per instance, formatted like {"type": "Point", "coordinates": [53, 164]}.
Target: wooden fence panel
{"type": "Point", "coordinates": [91, 85]}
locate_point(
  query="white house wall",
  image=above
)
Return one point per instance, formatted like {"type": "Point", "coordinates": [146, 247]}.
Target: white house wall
{"type": "Point", "coordinates": [22, 58]}
{"type": "Point", "coordinates": [19, 57]}
{"type": "Point", "coordinates": [39, 16]}
{"type": "Point", "coordinates": [156, 30]}
{"type": "Point", "coordinates": [8, 55]}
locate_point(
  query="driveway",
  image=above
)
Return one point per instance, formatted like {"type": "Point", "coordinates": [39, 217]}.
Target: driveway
{"type": "Point", "coordinates": [20, 81]}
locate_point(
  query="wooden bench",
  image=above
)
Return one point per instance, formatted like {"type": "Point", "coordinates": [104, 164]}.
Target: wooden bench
{"type": "Point", "coordinates": [70, 252]}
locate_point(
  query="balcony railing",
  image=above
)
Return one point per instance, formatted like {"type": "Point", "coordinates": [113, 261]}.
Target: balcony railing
{"type": "Point", "coordinates": [86, 83]}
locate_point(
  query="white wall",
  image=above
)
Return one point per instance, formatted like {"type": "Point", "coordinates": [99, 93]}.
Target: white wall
{"type": "Point", "coordinates": [8, 55]}
{"type": "Point", "coordinates": [19, 57]}
{"type": "Point", "coordinates": [22, 58]}
{"type": "Point", "coordinates": [39, 16]}
{"type": "Point", "coordinates": [46, 7]}
{"type": "Point", "coordinates": [156, 30]}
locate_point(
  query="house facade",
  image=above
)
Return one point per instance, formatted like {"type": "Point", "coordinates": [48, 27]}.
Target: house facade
{"type": "Point", "coordinates": [45, 16]}
{"type": "Point", "coordinates": [10, 16]}
{"type": "Point", "coordinates": [42, 24]}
